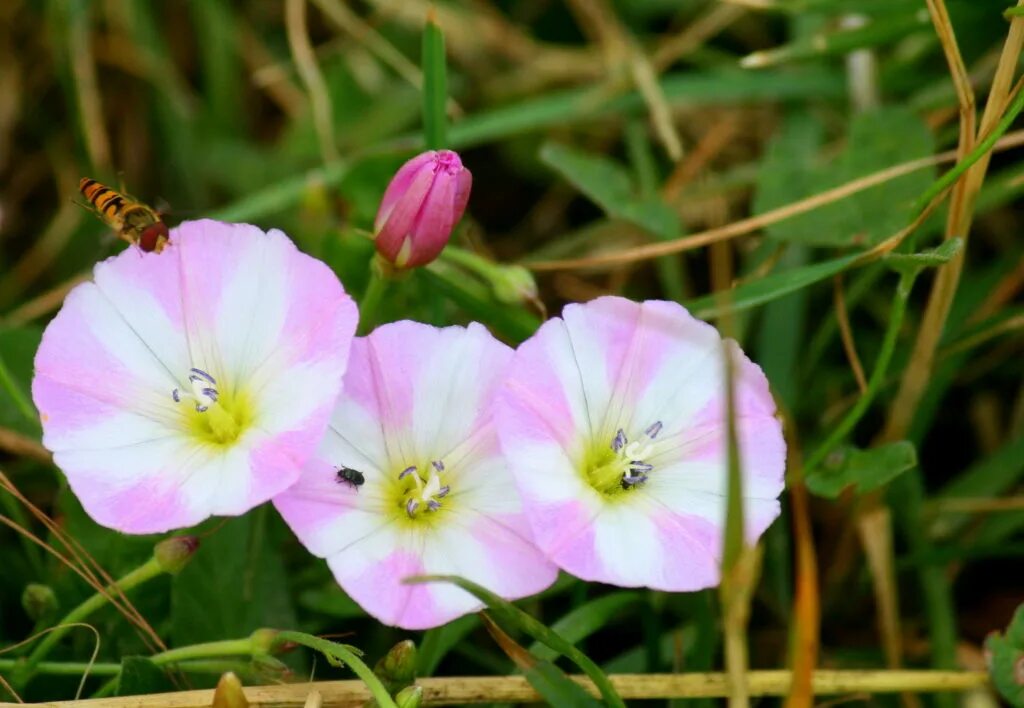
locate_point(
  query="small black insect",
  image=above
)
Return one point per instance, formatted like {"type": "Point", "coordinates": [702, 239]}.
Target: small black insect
{"type": "Point", "coordinates": [351, 477]}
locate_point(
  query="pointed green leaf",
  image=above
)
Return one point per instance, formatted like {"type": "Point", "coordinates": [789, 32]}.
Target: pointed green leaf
{"type": "Point", "coordinates": [435, 87]}
{"type": "Point", "coordinates": [508, 614]}
{"type": "Point", "coordinates": [1006, 659]}
{"type": "Point", "coordinates": [769, 288]}
{"type": "Point", "coordinates": [864, 470]}
{"type": "Point", "coordinates": [588, 618]}
{"type": "Point", "coordinates": [139, 676]}
{"type": "Point", "coordinates": [608, 184]}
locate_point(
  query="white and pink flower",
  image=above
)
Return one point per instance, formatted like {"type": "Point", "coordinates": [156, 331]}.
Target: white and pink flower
{"type": "Point", "coordinates": [410, 480]}
{"type": "Point", "coordinates": [613, 421]}
{"type": "Point", "coordinates": [196, 382]}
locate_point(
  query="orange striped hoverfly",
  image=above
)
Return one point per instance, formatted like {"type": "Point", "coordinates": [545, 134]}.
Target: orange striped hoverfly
{"type": "Point", "coordinates": [131, 220]}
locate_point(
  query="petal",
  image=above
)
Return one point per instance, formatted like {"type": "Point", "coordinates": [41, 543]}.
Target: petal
{"type": "Point", "coordinates": [613, 364]}
{"type": "Point", "coordinates": [156, 485]}
{"type": "Point", "coordinates": [245, 306]}
{"type": "Point", "coordinates": [434, 222]}
{"type": "Point", "coordinates": [463, 186]}
{"type": "Point", "coordinates": [397, 227]}
{"type": "Point", "coordinates": [413, 394]}
{"type": "Point", "coordinates": [487, 550]}
{"type": "Point", "coordinates": [400, 185]}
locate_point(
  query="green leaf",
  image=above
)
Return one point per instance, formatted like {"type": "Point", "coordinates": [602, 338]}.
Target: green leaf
{"type": "Point", "coordinates": [439, 641]}
{"type": "Point", "coordinates": [690, 88]}
{"type": "Point", "coordinates": [588, 618]}
{"type": "Point", "coordinates": [235, 584]}
{"type": "Point", "coordinates": [435, 87]}
{"type": "Point", "coordinates": [556, 688]}
{"type": "Point", "coordinates": [508, 614]}
{"type": "Point", "coordinates": [876, 140]}
{"type": "Point", "coordinates": [864, 470]}
{"type": "Point", "coordinates": [139, 676]}
{"type": "Point", "coordinates": [608, 185]}
{"type": "Point", "coordinates": [791, 171]}
{"type": "Point", "coordinates": [1006, 662]}
{"type": "Point", "coordinates": [769, 288]}
{"type": "Point", "coordinates": [18, 346]}
{"type": "Point", "coordinates": [550, 681]}
{"type": "Point", "coordinates": [331, 600]}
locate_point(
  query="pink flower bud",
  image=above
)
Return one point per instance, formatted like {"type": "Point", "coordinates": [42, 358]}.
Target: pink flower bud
{"type": "Point", "coordinates": [422, 204]}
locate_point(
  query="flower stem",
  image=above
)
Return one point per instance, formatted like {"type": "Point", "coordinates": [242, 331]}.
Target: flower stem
{"type": "Point", "coordinates": [110, 668]}
{"type": "Point", "coordinates": [147, 571]}
{"type": "Point", "coordinates": [840, 431]}
{"type": "Point", "coordinates": [372, 296]}
{"type": "Point", "coordinates": [185, 656]}
{"type": "Point", "coordinates": [339, 653]}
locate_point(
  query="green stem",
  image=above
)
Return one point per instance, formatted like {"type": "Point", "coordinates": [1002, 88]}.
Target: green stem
{"type": "Point", "coordinates": [207, 650]}
{"type": "Point", "coordinates": [946, 180]}
{"type": "Point", "coordinates": [372, 297]}
{"type": "Point", "coordinates": [77, 668]}
{"type": "Point", "coordinates": [935, 584]}
{"type": "Point", "coordinates": [339, 652]}
{"type": "Point", "coordinates": [840, 431]}
{"type": "Point", "coordinates": [147, 571]}
{"type": "Point", "coordinates": [21, 402]}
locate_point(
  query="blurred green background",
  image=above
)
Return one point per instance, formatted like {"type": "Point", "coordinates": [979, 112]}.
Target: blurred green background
{"type": "Point", "coordinates": [590, 127]}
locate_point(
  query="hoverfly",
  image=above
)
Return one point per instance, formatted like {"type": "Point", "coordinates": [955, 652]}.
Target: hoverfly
{"type": "Point", "coordinates": [351, 477]}
{"type": "Point", "coordinates": [131, 220]}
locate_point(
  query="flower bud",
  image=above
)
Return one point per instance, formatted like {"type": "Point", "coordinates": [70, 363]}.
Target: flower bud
{"type": "Point", "coordinates": [39, 601]}
{"type": "Point", "coordinates": [229, 693]}
{"type": "Point", "coordinates": [174, 553]}
{"type": "Point", "coordinates": [409, 697]}
{"type": "Point", "coordinates": [421, 206]}
{"type": "Point", "coordinates": [264, 641]}
{"type": "Point", "coordinates": [514, 284]}
{"type": "Point", "coordinates": [397, 668]}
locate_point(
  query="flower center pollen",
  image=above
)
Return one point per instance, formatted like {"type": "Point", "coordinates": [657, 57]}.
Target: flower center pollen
{"type": "Point", "coordinates": [623, 465]}
{"type": "Point", "coordinates": [215, 418]}
{"type": "Point", "coordinates": [422, 491]}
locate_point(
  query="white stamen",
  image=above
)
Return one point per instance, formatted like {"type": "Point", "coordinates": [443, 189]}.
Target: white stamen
{"type": "Point", "coordinates": [204, 392]}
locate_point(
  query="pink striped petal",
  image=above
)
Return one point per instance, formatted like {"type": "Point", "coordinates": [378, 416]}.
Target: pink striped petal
{"type": "Point", "coordinates": [268, 323]}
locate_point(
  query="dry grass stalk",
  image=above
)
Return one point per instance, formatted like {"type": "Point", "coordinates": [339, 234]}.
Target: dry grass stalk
{"type": "Point", "coordinates": [465, 690]}
{"type": "Point", "coordinates": [755, 223]}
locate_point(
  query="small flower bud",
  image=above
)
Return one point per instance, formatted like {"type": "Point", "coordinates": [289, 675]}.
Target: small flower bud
{"type": "Point", "coordinates": [409, 697]}
{"type": "Point", "coordinates": [229, 693]}
{"type": "Point", "coordinates": [421, 206]}
{"type": "Point", "coordinates": [397, 668]}
{"type": "Point", "coordinates": [174, 553]}
{"type": "Point", "coordinates": [39, 601]}
{"type": "Point", "coordinates": [514, 284]}
{"type": "Point", "coordinates": [264, 641]}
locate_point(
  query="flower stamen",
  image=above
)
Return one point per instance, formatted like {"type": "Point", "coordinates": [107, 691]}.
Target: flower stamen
{"type": "Point", "coordinates": [426, 489]}
{"type": "Point", "coordinates": [627, 466]}
{"type": "Point", "coordinates": [204, 391]}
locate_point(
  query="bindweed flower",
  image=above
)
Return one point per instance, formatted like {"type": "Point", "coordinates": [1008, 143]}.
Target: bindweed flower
{"type": "Point", "coordinates": [192, 383]}
{"type": "Point", "coordinates": [613, 421]}
{"type": "Point", "coordinates": [421, 206]}
{"type": "Point", "coordinates": [434, 494]}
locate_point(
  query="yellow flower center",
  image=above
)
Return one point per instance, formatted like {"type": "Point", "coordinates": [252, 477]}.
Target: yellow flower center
{"type": "Point", "coordinates": [619, 466]}
{"type": "Point", "coordinates": [215, 417]}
